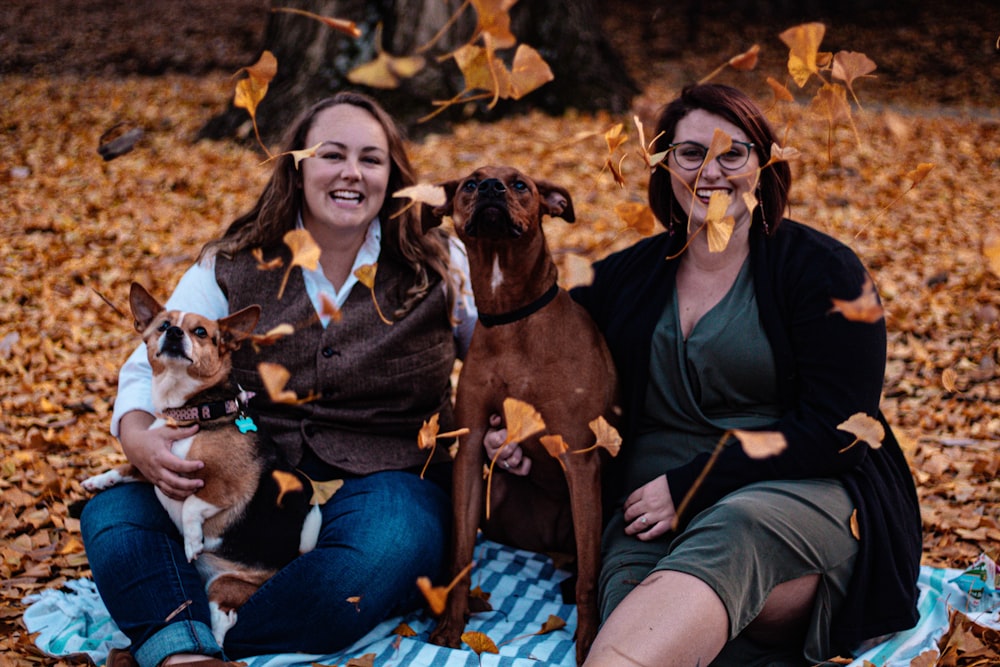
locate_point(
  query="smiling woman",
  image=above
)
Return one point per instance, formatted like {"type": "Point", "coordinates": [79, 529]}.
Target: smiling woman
{"type": "Point", "coordinates": [387, 524]}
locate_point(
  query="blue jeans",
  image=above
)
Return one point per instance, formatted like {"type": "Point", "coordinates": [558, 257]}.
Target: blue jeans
{"type": "Point", "coordinates": [380, 533]}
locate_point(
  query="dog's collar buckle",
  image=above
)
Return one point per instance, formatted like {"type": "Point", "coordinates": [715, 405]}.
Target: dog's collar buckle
{"type": "Point", "coordinates": [492, 320]}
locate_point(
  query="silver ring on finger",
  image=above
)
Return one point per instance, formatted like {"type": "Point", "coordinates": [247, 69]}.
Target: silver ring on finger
{"type": "Point", "coordinates": [506, 465]}
{"type": "Point", "coordinates": [643, 520]}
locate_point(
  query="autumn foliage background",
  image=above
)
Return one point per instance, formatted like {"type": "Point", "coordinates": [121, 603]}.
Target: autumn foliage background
{"type": "Point", "coordinates": [77, 230]}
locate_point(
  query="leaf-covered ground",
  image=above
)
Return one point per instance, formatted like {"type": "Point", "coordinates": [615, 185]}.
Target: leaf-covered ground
{"type": "Point", "coordinates": [77, 230]}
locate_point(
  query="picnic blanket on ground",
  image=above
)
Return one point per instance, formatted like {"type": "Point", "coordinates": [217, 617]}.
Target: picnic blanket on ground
{"type": "Point", "coordinates": [524, 591]}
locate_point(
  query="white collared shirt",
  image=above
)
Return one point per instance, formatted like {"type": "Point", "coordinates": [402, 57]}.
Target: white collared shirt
{"type": "Point", "coordinates": [199, 292]}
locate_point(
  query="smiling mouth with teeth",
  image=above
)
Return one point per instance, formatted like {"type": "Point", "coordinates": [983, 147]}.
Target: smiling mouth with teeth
{"type": "Point", "coordinates": [344, 195]}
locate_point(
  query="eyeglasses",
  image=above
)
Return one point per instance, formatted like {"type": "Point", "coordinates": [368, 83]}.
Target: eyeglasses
{"type": "Point", "coordinates": [691, 155]}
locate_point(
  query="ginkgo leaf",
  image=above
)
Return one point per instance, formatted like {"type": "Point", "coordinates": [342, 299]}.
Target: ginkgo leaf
{"type": "Point", "coordinates": [761, 444]}
{"type": "Point", "coordinates": [404, 630]}
{"type": "Point", "coordinates": [424, 193]}
{"type": "Point", "coordinates": [746, 61]}
{"type": "Point", "coordinates": [781, 92]}
{"type": "Point", "coordinates": [865, 308]}
{"type": "Point", "coordinates": [719, 225]}
{"type": "Point", "coordinates": [386, 71]}
{"type": "Point", "coordinates": [851, 65]}
{"type": "Point", "coordinates": [273, 336]}
{"type": "Point", "coordinates": [528, 72]}
{"type": "Point", "coordinates": [251, 90]}
{"type": "Point", "coordinates": [494, 20]}
{"type": "Point", "coordinates": [615, 137]}
{"type": "Point", "coordinates": [366, 276]}
{"type": "Point", "coordinates": [300, 155]}
{"type": "Point", "coordinates": [920, 173]}
{"type": "Point", "coordinates": [750, 200]}
{"type": "Point", "coordinates": [427, 437]}
{"type": "Point", "coordinates": [367, 660]}
{"type": "Point", "coordinates": [554, 445]}
{"type": "Point", "coordinates": [855, 527]}
{"type": "Point", "coordinates": [349, 28]}
{"type": "Point", "coordinates": [305, 253]}
{"type": "Point", "coordinates": [324, 490]}
{"type": "Point", "coordinates": [721, 143]}
{"type": "Point", "coordinates": [803, 45]}
{"type": "Point", "coordinates": [275, 377]}
{"type": "Point", "coordinates": [287, 483]}
{"type": "Point", "coordinates": [864, 429]}
{"type": "Point", "coordinates": [479, 643]}
{"type": "Point", "coordinates": [783, 154]}
{"type": "Point", "coordinates": [258, 255]}
{"type": "Point", "coordinates": [551, 624]}
{"type": "Point", "coordinates": [327, 308]}
{"type": "Point", "coordinates": [830, 104]}
{"type": "Point", "coordinates": [637, 216]}
{"type": "Point", "coordinates": [616, 171]}
{"type": "Point", "coordinates": [437, 596]}
{"type": "Point", "coordinates": [521, 419]}
{"type": "Point", "coordinates": [607, 436]}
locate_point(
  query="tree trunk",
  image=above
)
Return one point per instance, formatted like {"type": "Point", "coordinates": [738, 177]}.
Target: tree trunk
{"type": "Point", "coordinates": [313, 62]}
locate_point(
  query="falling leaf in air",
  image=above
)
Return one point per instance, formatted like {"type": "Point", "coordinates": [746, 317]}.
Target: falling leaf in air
{"type": "Point", "coordinates": [830, 104]}
{"type": "Point", "coordinates": [554, 445]}
{"type": "Point", "coordinates": [428, 436]}
{"type": "Point", "coordinates": [494, 19]}
{"type": "Point", "coordinates": [528, 72]}
{"type": "Point", "coordinates": [781, 92]}
{"type": "Point", "coordinates": [273, 336]}
{"type": "Point", "coordinates": [719, 225]}
{"type": "Point", "coordinates": [863, 428]}
{"type": "Point", "coordinates": [636, 216]}
{"type": "Point", "coordinates": [742, 62]}
{"type": "Point", "coordinates": [855, 526]}
{"type": "Point", "coordinates": [865, 308]}
{"type": "Point", "coordinates": [262, 265]}
{"type": "Point", "coordinates": [551, 624]}
{"type": "Point", "coordinates": [783, 154]}
{"type": "Point", "coordinates": [479, 643]}
{"type": "Point", "coordinates": [366, 276]}
{"type": "Point", "coordinates": [851, 65]}
{"type": "Point", "coordinates": [327, 308]}
{"type": "Point", "coordinates": [920, 173]}
{"type": "Point", "coordinates": [424, 193]}
{"type": "Point", "coordinates": [275, 377]}
{"type": "Point", "coordinates": [287, 483]}
{"type": "Point", "coordinates": [386, 71]}
{"type": "Point", "coordinates": [304, 153]}
{"type": "Point", "coordinates": [651, 160]}
{"type": "Point", "coordinates": [349, 28]}
{"type": "Point", "coordinates": [761, 444]}
{"type": "Point", "coordinates": [615, 137]}
{"type": "Point", "coordinates": [356, 601]}
{"type": "Point", "coordinates": [437, 596]}
{"type": "Point", "coordinates": [803, 46]}
{"type": "Point", "coordinates": [521, 419]}
{"type": "Point", "coordinates": [607, 436]}
{"type": "Point", "coordinates": [252, 89]}
{"type": "Point", "coordinates": [305, 253]}
{"type": "Point", "coordinates": [324, 490]}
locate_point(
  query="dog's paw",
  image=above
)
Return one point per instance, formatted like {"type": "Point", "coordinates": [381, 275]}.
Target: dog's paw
{"type": "Point", "coordinates": [193, 546]}
{"type": "Point", "coordinates": [222, 621]}
{"type": "Point", "coordinates": [105, 480]}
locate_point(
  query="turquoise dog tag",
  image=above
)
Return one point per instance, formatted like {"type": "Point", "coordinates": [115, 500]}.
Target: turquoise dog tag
{"type": "Point", "coordinates": [245, 424]}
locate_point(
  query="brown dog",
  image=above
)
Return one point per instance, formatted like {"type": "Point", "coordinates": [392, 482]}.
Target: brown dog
{"type": "Point", "coordinates": [535, 344]}
{"type": "Point", "coordinates": [242, 525]}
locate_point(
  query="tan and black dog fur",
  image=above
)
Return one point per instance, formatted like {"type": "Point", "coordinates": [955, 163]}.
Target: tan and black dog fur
{"type": "Point", "coordinates": [535, 344]}
{"type": "Point", "coordinates": [233, 527]}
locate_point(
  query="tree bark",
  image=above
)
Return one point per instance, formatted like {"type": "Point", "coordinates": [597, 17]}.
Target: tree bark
{"type": "Point", "coordinates": [313, 62]}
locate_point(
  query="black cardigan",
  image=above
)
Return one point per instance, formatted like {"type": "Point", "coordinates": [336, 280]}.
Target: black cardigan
{"type": "Point", "coordinates": [828, 368]}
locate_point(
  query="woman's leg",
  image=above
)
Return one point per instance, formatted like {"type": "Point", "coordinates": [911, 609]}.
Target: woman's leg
{"type": "Point", "coordinates": [380, 533]}
{"type": "Point", "coordinates": [137, 557]}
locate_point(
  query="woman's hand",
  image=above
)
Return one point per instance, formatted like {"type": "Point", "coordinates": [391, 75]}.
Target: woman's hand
{"type": "Point", "coordinates": [510, 458]}
{"type": "Point", "coordinates": [149, 451]}
{"type": "Point", "coordinates": [649, 510]}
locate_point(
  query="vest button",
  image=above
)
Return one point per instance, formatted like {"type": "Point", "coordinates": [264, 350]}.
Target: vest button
{"type": "Point", "coordinates": [329, 352]}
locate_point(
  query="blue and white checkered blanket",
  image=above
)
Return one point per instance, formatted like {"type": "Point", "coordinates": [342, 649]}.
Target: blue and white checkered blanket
{"type": "Point", "coordinates": [524, 592]}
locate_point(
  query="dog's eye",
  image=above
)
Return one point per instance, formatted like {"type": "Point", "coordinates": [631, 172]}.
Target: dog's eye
{"type": "Point", "coordinates": [164, 325]}
{"type": "Point", "coordinates": [520, 186]}
{"type": "Point", "coordinates": [470, 185]}
{"type": "Point", "coordinates": [200, 332]}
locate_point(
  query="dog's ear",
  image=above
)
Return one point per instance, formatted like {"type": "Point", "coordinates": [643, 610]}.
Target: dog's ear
{"type": "Point", "coordinates": [556, 201]}
{"type": "Point", "coordinates": [239, 326]}
{"type": "Point", "coordinates": [431, 216]}
{"type": "Point", "coordinates": [144, 306]}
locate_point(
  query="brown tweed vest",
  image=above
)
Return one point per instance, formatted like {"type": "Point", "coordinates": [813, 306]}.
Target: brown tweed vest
{"type": "Point", "coordinates": [372, 384]}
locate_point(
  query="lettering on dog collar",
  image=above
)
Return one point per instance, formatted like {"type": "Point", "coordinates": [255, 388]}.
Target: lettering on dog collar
{"type": "Point", "coordinates": [207, 411]}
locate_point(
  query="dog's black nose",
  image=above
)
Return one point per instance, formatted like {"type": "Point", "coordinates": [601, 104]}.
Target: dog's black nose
{"type": "Point", "coordinates": [492, 186]}
{"type": "Point", "coordinates": [175, 333]}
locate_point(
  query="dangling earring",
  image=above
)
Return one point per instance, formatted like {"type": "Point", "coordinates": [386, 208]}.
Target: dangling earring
{"type": "Point", "coordinates": [763, 220]}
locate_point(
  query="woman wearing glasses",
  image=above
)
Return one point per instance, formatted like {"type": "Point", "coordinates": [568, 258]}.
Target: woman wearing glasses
{"type": "Point", "coordinates": [787, 560]}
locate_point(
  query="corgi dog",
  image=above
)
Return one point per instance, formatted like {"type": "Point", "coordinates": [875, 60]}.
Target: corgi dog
{"type": "Point", "coordinates": [246, 522]}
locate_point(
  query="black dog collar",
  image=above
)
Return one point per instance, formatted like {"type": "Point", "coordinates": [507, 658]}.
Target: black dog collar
{"type": "Point", "coordinates": [208, 411]}
{"type": "Point", "coordinates": [488, 320]}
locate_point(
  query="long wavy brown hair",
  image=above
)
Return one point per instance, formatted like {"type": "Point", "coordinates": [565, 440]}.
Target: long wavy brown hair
{"type": "Point", "coordinates": [739, 109]}
{"type": "Point", "coordinates": [276, 210]}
